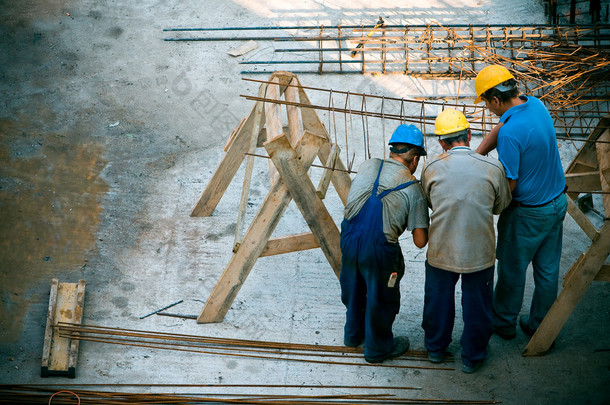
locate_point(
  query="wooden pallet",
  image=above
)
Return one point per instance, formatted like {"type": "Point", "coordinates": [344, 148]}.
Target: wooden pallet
{"type": "Point", "coordinates": [60, 354]}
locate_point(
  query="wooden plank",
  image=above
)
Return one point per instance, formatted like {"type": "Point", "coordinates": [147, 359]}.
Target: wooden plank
{"type": "Point", "coordinates": [304, 195]}
{"type": "Point", "coordinates": [289, 244]}
{"type": "Point", "coordinates": [295, 126]}
{"type": "Point", "coordinates": [60, 353]}
{"type": "Point", "coordinates": [328, 172]}
{"type": "Point", "coordinates": [226, 170]}
{"type": "Point", "coordinates": [586, 158]}
{"type": "Point", "coordinates": [233, 134]}
{"type": "Point", "coordinates": [255, 239]}
{"type": "Point", "coordinates": [60, 346]}
{"type": "Point", "coordinates": [570, 273]}
{"type": "Point", "coordinates": [273, 121]}
{"type": "Point", "coordinates": [78, 318]}
{"type": "Point", "coordinates": [604, 273]}
{"type": "Point", "coordinates": [245, 190]}
{"type": "Point", "coordinates": [48, 332]}
{"type": "Point", "coordinates": [584, 273]}
{"type": "Point", "coordinates": [603, 158]}
{"type": "Point", "coordinates": [584, 181]}
{"type": "Point", "coordinates": [581, 219]}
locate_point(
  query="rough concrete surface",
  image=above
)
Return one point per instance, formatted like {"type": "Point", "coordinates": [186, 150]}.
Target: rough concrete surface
{"type": "Point", "coordinates": [108, 136]}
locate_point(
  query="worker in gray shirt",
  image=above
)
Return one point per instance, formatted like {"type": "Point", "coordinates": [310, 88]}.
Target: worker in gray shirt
{"type": "Point", "coordinates": [464, 190]}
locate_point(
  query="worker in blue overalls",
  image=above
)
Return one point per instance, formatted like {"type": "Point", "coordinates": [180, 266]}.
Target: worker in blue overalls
{"type": "Point", "coordinates": [384, 200]}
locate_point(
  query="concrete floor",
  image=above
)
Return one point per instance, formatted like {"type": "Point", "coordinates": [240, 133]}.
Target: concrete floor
{"type": "Point", "coordinates": [108, 136]}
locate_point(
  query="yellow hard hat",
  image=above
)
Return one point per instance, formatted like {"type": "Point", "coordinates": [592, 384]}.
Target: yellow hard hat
{"type": "Point", "coordinates": [450, 121]}
{"type": "Point", "coordinates": [490, 76]}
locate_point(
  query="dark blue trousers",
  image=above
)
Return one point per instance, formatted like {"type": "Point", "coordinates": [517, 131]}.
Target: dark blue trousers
{"type": "Point", "coordinates": [439, 311]}
{"type": "Point", "coordinates": [368, 260]}
{"type": "Point", "coordinates": [371, 305]}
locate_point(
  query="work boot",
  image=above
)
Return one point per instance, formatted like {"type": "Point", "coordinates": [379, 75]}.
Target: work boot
{"type": "Point", "coordinates": [506, 333]}
{"type": "Point", "coordinates": [436, 357]}
{"type": "Point", "coordinates": [523, 324]}
{"type": "Point", "coordinates": [472, 368]}
{"type": "Point", "coordinates": [401, 345]}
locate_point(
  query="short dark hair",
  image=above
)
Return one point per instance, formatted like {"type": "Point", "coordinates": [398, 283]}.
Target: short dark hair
{"type": "Point", "coordinates": [503, 96]}
{"type": "Point", "coordinates": [400, 148]}
{"type": "Point", "coordinates": [461, 136]}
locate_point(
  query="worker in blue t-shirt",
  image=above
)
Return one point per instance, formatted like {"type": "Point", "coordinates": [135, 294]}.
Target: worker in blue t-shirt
{"type": "Point", "coordinates": [530, 230]}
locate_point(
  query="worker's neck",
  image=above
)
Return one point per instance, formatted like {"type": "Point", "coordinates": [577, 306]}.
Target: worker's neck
{"type": "Point", "coordinates": [454, 145]}
{"type": "Point", "coordinates": [513, 102]}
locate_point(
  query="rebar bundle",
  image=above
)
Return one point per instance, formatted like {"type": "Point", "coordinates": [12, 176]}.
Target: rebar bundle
{"type": "Point", "coordinates": [320, 354]}
{"type": "Point", "coordinates": [221, 394]}
{"type": "Point", "coordinates": [428, 50]}
{"type": "Point", "coordinates": [568, 67]}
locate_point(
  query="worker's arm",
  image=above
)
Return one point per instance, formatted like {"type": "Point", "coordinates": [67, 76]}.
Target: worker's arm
{"type": "Point", "coordinates": [490, 142]}
{"type": "Point", "coordinates": [420, 237]}
{"type": "Point", "coordinates": [512, 184]}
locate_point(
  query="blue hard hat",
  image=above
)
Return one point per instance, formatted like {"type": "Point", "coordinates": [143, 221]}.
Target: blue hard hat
{"type": "Point", "coordinates": [410, 134]}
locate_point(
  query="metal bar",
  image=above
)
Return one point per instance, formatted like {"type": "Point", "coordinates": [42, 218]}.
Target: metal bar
{"type": "Point", "coordinates": [389, 27]}
{"type": "Point", "coordinates": [161, 309]}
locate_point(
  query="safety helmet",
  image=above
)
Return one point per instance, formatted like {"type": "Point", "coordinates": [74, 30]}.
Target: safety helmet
{"type": "Point", "coordinates": [448, 122]}
{"type": "Point", "coordinates": [490, 76]}
{"type": "Point", "coordinates": [410, 134]}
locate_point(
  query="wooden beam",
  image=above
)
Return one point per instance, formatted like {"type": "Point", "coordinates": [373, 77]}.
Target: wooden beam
{"type": "Point", "coordinates": [603, 158]}
{"type": "Point", "coordinates": [48, 332]}
{"type": "Point", "coordinates": [226, 169]}
{"type": "Point", "coordinates": [60, 354]}
{"type": "Point", "coordinates": [255, 239]}
{"type": "Point", "coordinates": [583, 181]}
{"type": "Point", "coordinates": [78, 318]}
{"type": "Point", "coordinates": [304, 195]}
{"type": "Point", "coordinates": [581, 219]}
{"type": "Point", "coordinates": [245, 190]}
{"type": "Point", "coordinates": [295, 126]}
{"type": "Point", "coordinates": [233, 134]}
{"type": "Point", "coordinates": [604, 273]}
{"type": "Point", "coordinates": [584, 273]}
{"type": "Point", "coordinates": [289, 244]}
{"type": "Point", "coordinates": [273, 121]}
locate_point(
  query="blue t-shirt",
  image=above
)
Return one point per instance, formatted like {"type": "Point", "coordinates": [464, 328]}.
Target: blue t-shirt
{"type": "Point", "coordinates": [527, 147]}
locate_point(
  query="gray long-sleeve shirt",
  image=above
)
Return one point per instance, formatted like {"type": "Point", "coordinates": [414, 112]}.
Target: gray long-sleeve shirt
{"type": "Point", "coordinates": [464, 190]}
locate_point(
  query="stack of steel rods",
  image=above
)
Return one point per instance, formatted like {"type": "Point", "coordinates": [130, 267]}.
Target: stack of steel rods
{"type": "Point", "coordinates": [41, 394]}
{"type": "Point", "coordinates": [318, 354]}
{"type": "Point", "coordinates": [426, 50]}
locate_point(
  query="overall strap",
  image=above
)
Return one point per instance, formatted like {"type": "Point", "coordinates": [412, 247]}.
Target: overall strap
{"type": "Point", "coordinates": [399, 187]}
{"type": "Point", "coordinates": [376, 184]}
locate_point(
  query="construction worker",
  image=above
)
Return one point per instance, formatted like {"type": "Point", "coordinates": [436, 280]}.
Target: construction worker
{"type": "Point", "coordinates": [530, 229]}
{"type": "Point", "coordinates": [464, 190]}
{"type": "Point", "coordinates": [384, 200]}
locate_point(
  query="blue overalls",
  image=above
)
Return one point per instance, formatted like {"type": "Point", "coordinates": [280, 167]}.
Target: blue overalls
{"type": "Point", "coordinates": [367, 264]}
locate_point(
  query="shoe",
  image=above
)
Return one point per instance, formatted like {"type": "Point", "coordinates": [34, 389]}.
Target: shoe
{"type": "Point", "coordinates": [473, 368]}
{"type": "Point", "coordinates": [529, 331]}
{"type": "Point", "coordinates": [506, 333]}
{"type": "Point", "coordinates": [436, 357]}
{"type": "Point", "coordinates": [524, 327]}
{"type": "Point", "coordinates": [401, 345]}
